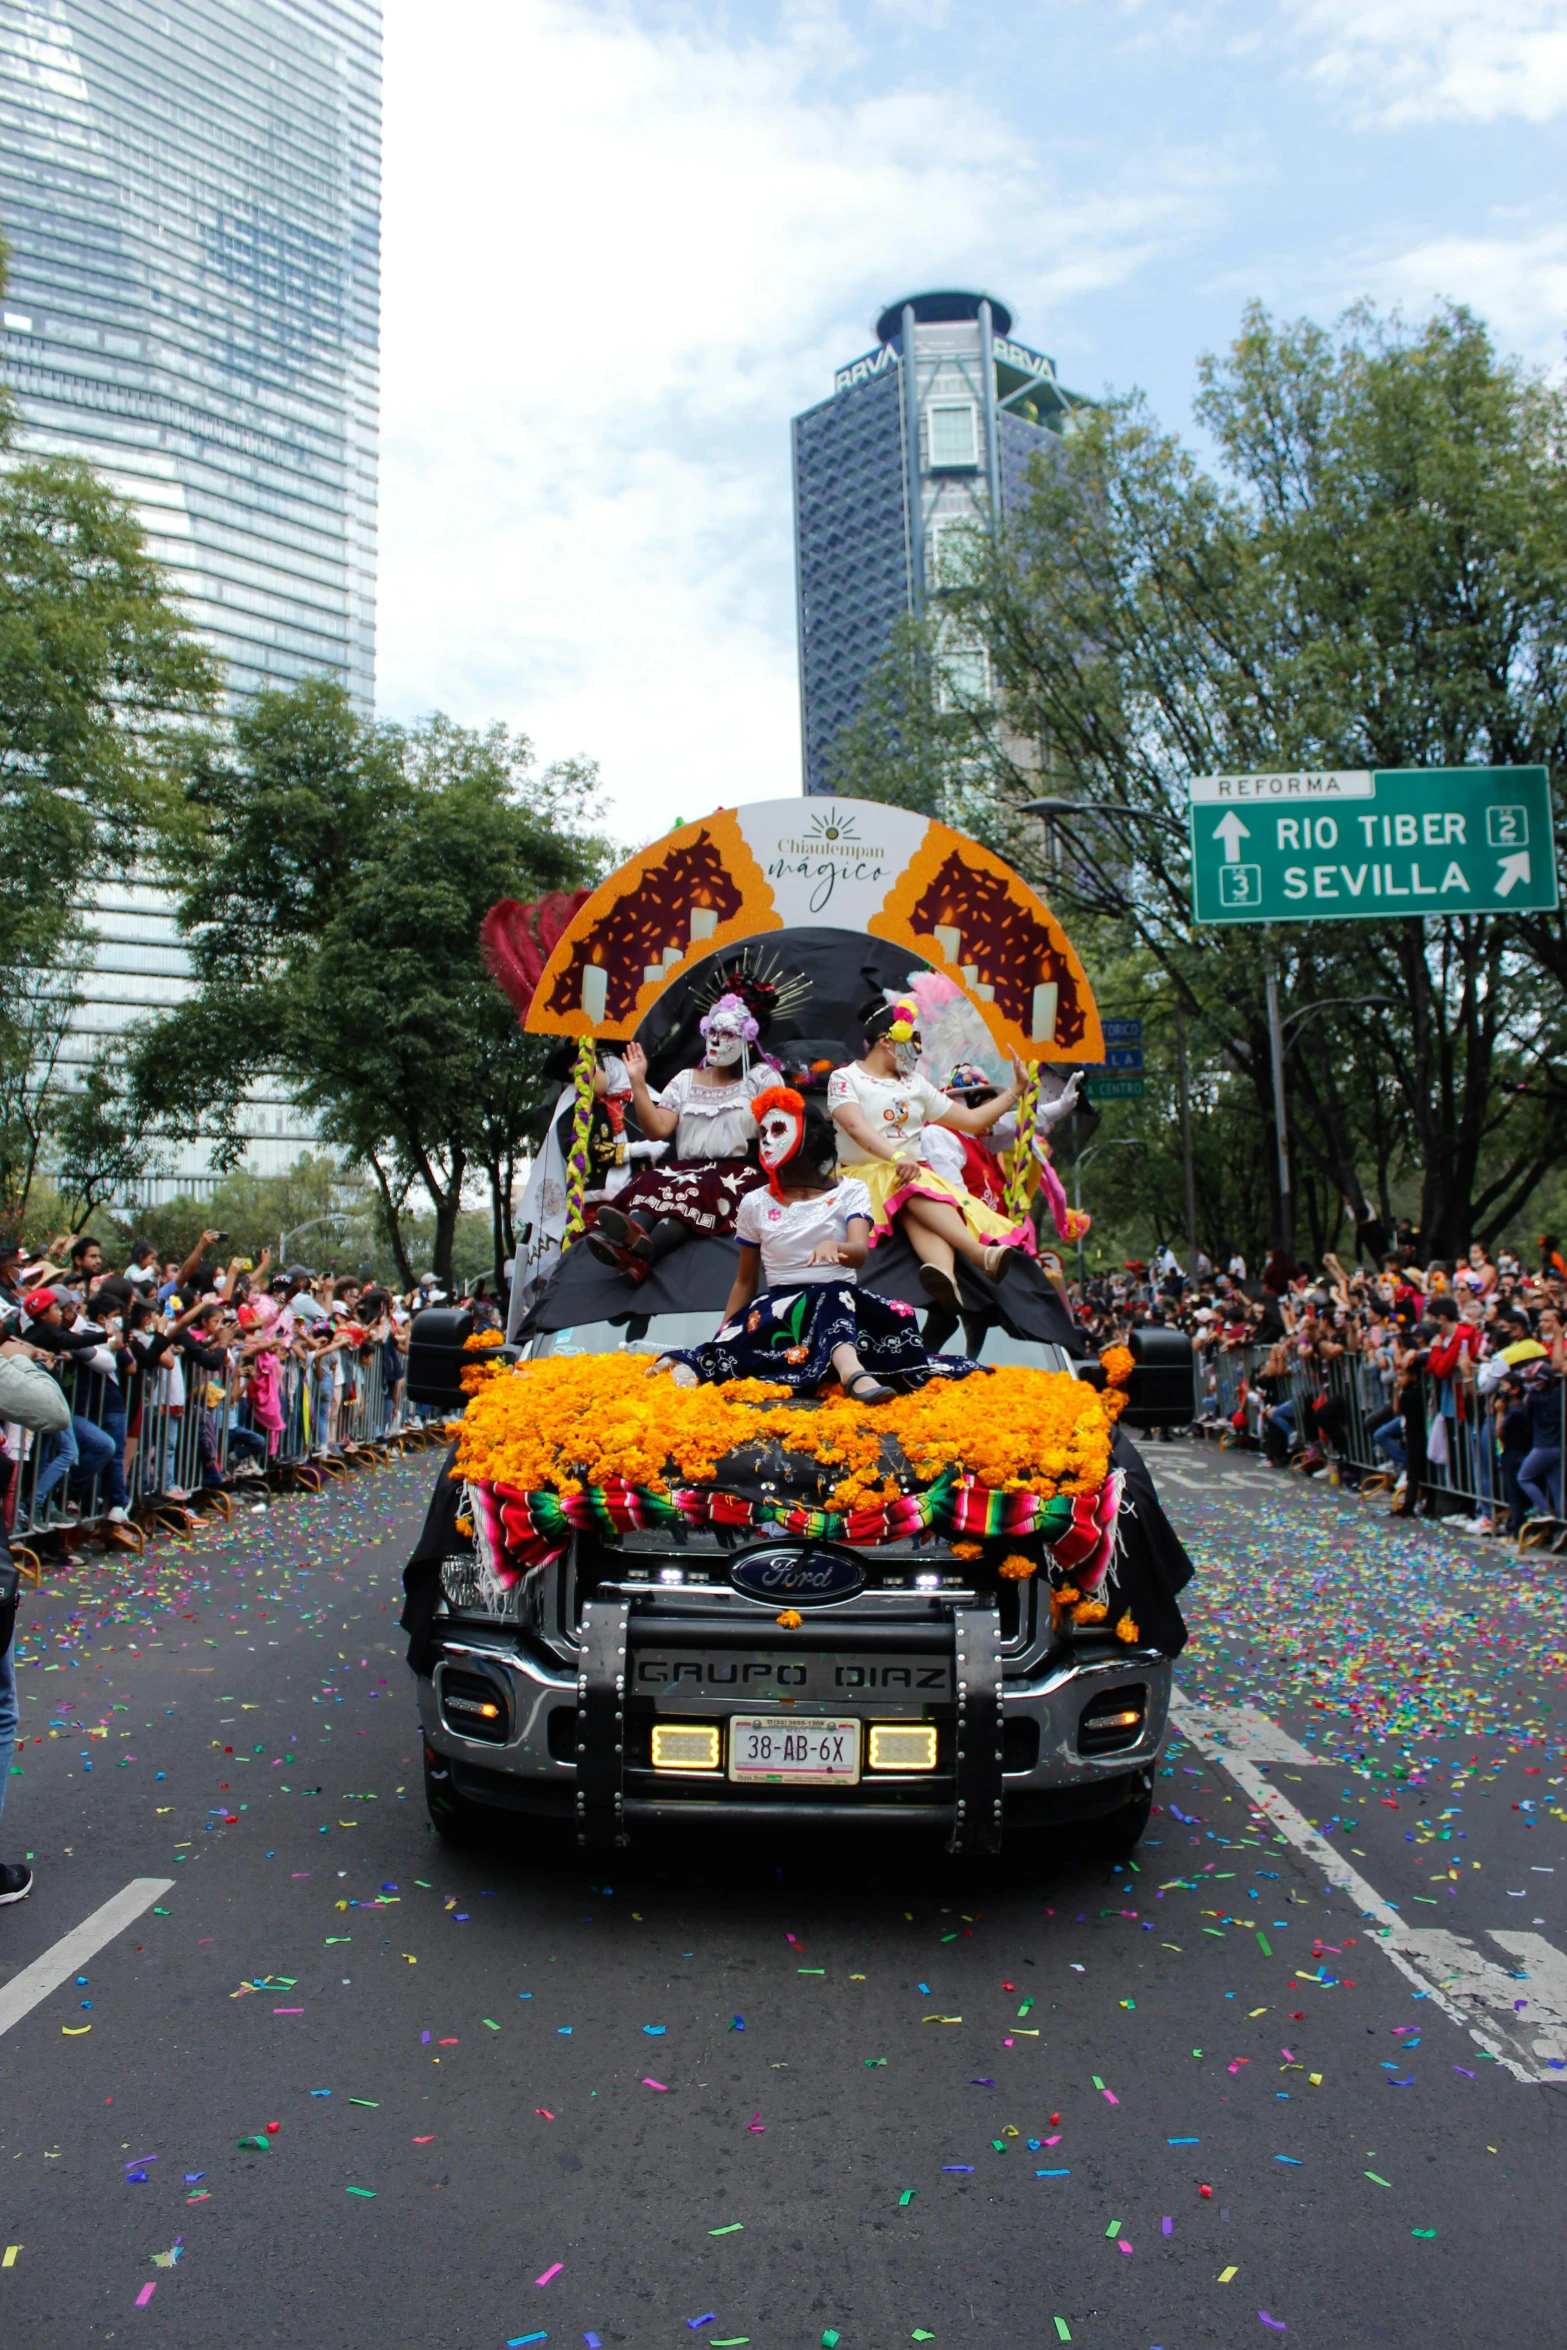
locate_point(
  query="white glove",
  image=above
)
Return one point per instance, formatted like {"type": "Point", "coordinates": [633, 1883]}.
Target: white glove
{"type": "Point", "coordinates": [1049, 1115]}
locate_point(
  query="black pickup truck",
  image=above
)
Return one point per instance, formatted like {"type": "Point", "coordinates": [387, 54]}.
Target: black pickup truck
{"type": "Point", "coordinates": [643, 1678]}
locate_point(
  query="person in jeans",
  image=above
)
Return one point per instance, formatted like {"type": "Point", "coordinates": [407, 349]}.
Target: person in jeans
{"type": "Point", "coordinates": [1540, 1470]}
{"type": "Point", "coordinates": [16, 1880]}
{"type": "Point", "coordinates": [83, 1452]}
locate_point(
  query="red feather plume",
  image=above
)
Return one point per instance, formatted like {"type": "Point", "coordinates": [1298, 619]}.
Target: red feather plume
{"type": "Point", "coordinates": [517, 941]}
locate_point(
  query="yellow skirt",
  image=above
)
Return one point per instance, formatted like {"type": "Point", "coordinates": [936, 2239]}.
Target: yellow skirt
{"type": "Point", "coordinates": [890, 1186]}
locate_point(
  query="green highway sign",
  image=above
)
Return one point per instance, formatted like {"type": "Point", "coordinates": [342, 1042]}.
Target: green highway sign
{"type": "Point", "coordinates": [1355, 845]}
{"type": "Point", "coordinates": [1115, 1089]}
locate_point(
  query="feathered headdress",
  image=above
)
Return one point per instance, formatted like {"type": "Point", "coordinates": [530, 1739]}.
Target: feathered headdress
{"type": "Point", "coordinates": [517, 941]}
{"type": "Point", "coordinates": [770, 991]}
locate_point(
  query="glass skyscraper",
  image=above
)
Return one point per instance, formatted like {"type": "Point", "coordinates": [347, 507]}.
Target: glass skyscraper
{"type": "Point", "coordinates": [190, 191]}
{"type": "Point", "coordinates": [928, 434]}
{"type": "Point", "coordinates": [191, 194]}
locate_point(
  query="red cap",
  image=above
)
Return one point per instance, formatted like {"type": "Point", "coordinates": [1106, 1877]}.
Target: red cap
{"type": "Point", "coordinates": [38, 1301]}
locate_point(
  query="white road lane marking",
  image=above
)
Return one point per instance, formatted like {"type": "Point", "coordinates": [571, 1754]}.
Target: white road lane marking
{"type": "Point", "coordinates": [1521, 2020]}
{"type": "Point", "coordinates": [1222, 1481]}
{"type": "Point", "coordinates": [24, 1991]}
{"type": "Point", "coordinates": [1243, 1730]}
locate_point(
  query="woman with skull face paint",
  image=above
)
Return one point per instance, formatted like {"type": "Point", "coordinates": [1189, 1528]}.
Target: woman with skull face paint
{"type": "Point", "coordinates": [708, 1111]}
{"type": "Point", "coordinates": [880, 1105]}
{"type": "Point", "coordinates": [806, 1235]}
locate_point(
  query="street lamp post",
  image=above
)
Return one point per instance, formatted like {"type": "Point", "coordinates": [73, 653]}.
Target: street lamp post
{"type": "Point", "coordinates": [1278, 1031]}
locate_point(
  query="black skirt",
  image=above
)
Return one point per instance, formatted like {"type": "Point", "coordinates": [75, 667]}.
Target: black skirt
{"type": "Point", "coordinates": [789, 1335]}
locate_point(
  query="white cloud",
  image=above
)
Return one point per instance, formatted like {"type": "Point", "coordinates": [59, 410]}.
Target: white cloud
{"type": "Point", "coordinates": [1409, 61]}
{"type": "Point", "coordinates": [615, 264]}
{"type": "Point", "coordinates": [1518, 285]}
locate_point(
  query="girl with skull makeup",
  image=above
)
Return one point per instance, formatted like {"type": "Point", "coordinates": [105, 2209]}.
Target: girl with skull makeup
{"type": "Point", "coordinates": [804, 1238]}
{"type": "Point", "coordinates": [880, 1106]}
{"type": "Point", "coordinates": [708, 1111]}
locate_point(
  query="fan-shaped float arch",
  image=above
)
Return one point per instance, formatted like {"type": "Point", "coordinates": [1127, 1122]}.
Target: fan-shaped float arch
{"type": "Point", "coordinates": [852, 865]}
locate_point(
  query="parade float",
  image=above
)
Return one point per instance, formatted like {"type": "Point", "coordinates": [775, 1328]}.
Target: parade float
{"type": "Point", "coordinates": [612, 1557]}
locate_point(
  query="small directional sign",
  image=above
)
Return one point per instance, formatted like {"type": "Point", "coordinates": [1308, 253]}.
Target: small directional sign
{"type": "Point", "coordinates": [1115, 1089]}
{"type": "Point", "coordinates": [1122, 1031]}
{"type": "Point", "coordinates": [1335, 845]}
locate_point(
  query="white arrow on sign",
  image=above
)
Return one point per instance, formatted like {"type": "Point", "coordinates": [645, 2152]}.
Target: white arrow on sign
{"type": "Point", "coordinates": [1232, 832]}
{"type": "Point", "coordinates": [1514, 868]}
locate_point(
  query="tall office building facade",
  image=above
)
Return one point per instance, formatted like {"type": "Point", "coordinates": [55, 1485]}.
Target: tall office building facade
{"type": "Point", "coordinates": [926, 438]}
{"type": "Point", "coordinates": [191, 196]}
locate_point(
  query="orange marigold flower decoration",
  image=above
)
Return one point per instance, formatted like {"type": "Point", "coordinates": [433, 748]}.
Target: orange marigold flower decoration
{"type": "Point", "coordinates": [1126, 1629]}
{"type": "Point", "coordinates": [1118, 1364]}
{"type": "Point", "coordinates": [968, 1550]}
{"type": "Point", "coordinates": [481, 1338]}
{"type": "Point", "coordinates": [572, 1421]}
{"type": "Point", "coordinates": [1090, 1611]}
{"type": "Point", "coordinates": [791, 1619]}
{"type": "Point", "coordinates": [1016, 1567]}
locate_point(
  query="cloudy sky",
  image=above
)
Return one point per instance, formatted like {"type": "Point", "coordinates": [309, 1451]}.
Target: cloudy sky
{"type": "Point", "coordinates": [624, 244]}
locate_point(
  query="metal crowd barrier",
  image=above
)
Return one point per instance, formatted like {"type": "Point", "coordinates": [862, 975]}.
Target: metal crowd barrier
{"type": "Point", "coordinates": [1345, 1404]}
{"type": "Point", "coordinates": [184, 1456]}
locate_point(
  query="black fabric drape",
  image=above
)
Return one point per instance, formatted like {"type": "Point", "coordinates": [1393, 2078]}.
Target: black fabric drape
{"type": "Point", "coordinates": [422, 1575]}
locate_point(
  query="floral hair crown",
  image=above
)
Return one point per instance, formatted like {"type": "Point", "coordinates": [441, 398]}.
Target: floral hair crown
{"type": "Point", "coordinates": [906, 1024]}
{"type": "Point", "coordinates": [733, 1017]}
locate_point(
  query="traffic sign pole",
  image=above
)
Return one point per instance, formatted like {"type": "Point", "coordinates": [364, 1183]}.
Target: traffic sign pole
{"type": "Point", "coordinates": [1188, 1176]}
{"type": "Point", "coordinates": [1280, 1119]}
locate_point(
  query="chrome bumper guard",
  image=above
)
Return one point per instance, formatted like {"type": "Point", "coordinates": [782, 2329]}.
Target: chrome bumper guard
{"type": "Point", "coordinates": [533, 1771]}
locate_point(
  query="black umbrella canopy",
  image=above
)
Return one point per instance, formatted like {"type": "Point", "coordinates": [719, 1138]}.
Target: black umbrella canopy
{"type": "Point", "coordinates": [840, 969]}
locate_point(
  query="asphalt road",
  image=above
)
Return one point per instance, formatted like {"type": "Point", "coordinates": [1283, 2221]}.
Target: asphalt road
{"type": "Point", "coordinates": [1279, 2076]}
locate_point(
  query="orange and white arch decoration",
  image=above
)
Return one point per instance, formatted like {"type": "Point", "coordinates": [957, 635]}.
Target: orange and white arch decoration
{"type": "Point", "coordinates": [850, 865]}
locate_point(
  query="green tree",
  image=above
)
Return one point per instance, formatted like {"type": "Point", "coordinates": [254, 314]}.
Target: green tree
{"type": "Point", "coordinates": [102, 1138]}
{"type": "Point", "coordinates": [1374, 576]}
{"type": "Point", "coordinates": [340, 871]}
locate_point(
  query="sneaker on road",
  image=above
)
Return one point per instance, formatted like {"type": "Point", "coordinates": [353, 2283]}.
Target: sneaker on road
{"type": "Point", "coordinates": [15, 1884]}
{"type": "Point", "coordinates": [117, 1516]}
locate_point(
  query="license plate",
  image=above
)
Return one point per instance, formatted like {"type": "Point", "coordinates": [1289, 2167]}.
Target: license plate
{"type": "Point", "coordinates": [793, 1753]}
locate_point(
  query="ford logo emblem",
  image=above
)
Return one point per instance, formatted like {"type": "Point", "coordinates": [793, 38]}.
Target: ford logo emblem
{"type": "Point", "coordinates": [799, 1574]}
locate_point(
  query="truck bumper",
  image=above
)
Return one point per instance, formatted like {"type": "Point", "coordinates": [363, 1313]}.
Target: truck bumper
{"type": "Point", "coordinates": [1071, 1738]}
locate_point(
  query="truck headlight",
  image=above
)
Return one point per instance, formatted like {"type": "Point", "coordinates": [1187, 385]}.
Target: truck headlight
{"type": "Point", "coordinates": [903, 1746]}
{"type": "Point", "coordinates": [686, 1746]}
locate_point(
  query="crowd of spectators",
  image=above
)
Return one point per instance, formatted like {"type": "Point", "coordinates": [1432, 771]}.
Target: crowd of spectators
{"type": "Point", "coordinates": [1445, 1379]}
{"type": "Point", "coordinates": [184, 1377]}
